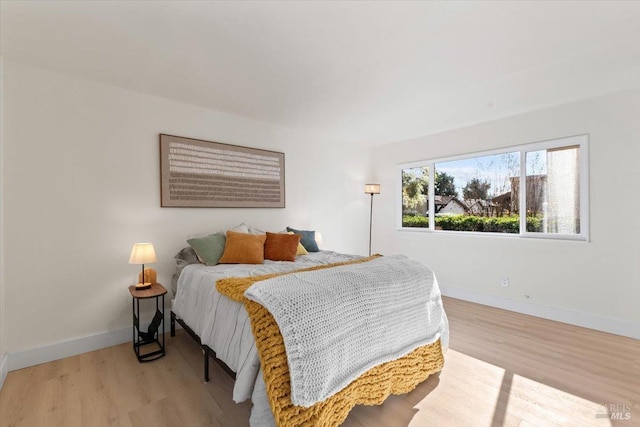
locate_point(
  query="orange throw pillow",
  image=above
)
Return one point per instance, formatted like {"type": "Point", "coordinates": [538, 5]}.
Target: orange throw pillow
{"type": "Point", "coordinates": [243, 248]}
{"type": "Point", "coordinates": [281, 247]}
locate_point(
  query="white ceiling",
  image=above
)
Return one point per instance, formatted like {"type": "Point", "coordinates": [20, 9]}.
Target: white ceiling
{"type": "Point", "coordinates": [366, 72]}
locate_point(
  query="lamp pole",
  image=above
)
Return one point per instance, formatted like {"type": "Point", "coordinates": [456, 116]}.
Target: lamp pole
{"type": "Point", "coordinates": [371, 189]}
{"type": "Point", "coordinates": [370, 223]}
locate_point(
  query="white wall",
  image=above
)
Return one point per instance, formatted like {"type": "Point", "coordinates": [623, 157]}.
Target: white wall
{"type": "Point", "coordinates": [81, 185]}
{"type": "Point", "coordinates": [596, 281]}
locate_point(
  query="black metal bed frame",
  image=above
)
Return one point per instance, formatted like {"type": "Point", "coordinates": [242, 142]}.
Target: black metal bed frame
{"type": "Point", "coordinates": [206, 350]}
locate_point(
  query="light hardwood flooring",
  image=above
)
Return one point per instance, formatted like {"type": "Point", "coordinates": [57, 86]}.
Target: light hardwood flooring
{"type": "Point", "coordinates": [502, 369]}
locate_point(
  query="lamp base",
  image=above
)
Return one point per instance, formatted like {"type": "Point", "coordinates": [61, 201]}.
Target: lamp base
{"type": "Point", "coordinates": [149, 276]}
{"type": "Point", "coordinates": [140, 286]}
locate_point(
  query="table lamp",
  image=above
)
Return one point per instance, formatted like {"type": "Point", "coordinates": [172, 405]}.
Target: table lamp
{"type": "Point", "coordinates": [143, 253]}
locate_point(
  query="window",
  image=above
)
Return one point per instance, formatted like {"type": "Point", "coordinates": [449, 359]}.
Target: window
{"type": "Point", "coordinates": [482, 192]}
{"type": "Point", "coordinates": [415, 197]}
{"type": "Point", "coordinates": [553, 190]}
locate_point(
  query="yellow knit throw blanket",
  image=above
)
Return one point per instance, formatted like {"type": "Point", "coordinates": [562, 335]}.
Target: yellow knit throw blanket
{"type": "Point", "coordinates": [371, 388]}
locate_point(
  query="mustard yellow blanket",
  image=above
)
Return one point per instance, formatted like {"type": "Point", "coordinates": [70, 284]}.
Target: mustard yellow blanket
{"type": "Point", "coordinates": [372, 388]}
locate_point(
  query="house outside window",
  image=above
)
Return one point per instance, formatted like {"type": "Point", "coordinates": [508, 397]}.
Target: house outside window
{"type": "Point", "coordinates": [481, 193]}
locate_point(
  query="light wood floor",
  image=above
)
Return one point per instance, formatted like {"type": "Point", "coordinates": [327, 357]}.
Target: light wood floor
{"type": "Point", "coordinates": [502, 369]}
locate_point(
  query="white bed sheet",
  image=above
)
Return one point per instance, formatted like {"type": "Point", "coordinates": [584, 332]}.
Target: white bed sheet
{"type": "Point", "coordinates": [223, 324]}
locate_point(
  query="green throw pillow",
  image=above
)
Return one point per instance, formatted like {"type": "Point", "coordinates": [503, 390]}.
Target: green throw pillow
{"type": "Point", "coordinates": [308, 239]}
{"type": "Point", "coordinates": [210, 248]}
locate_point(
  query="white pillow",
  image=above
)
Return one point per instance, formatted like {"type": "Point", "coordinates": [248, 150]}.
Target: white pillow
{"type": "Point", "coordinates": [253, 230]}
{"type": "Point", "coordinates": [240, 228]}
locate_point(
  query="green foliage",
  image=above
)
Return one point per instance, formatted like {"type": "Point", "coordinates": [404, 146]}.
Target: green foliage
{"type": "Point", "coordinates": [502, 224]}
{"type": "Point", "coordinates": [460, 223]}
{"type": "Point", "coordinates": [534, 223]}
{"type": "Point", "coordinates": [418, 221]}
{"type": "Point", "coordinates": [444, 185]}
{"type": "Point", "coordinates": [476, 189]}
{"type": "Point", "coordinates": [415, 182]}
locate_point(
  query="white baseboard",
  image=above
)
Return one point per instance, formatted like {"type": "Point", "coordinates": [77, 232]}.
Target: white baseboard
{"type": "Point", "coordinates": [578, 318]}
{"type": "Point", "coordinates": [48, 353]}
{"type": "Point", "coordinates": [4, 369]}
{"type": "Point", "coordinates": [60, 350]}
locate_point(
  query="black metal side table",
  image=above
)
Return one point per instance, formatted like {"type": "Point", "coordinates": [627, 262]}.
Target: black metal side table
{"type": "Point", "coordinates": [151, 336]}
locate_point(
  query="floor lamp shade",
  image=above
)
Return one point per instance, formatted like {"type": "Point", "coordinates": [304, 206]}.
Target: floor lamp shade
{"type": "Point", "coordinates": [371, 189]}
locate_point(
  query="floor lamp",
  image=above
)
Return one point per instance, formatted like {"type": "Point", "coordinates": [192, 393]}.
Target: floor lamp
{"type": "Point", "coordinates": [371, 189]}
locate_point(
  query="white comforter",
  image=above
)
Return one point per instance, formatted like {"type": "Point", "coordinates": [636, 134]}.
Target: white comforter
{"type": "Point", "coordinates": [339, 323]}
{"type": "Point", "coordinates": [223, 324]}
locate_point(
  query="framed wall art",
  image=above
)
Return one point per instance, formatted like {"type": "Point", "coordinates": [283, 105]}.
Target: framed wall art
{"type": "Point", "coordinates": [204, 174]}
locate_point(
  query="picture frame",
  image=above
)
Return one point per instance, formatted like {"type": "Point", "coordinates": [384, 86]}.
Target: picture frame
{"type": "Point", "coordinates": [195, 173]}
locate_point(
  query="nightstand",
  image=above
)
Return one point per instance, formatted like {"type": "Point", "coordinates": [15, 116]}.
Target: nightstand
{"type": "Point", "coordinates": [152, 335]}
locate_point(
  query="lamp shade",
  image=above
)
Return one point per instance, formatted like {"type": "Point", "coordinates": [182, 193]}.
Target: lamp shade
{"type": "Point", "coordinates": [372, 189]}
{"type": "Point", "coordinates": [142, 253]}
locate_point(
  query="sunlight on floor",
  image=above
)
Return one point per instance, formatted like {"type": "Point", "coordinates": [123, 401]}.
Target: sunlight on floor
{"type": "Point", "coordinates": [495, 397]}
{"type": "Point", "coordinates": [555, 405]}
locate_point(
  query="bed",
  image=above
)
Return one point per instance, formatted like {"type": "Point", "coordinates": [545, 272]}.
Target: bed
{"type": "Point", "coordinates": [223, 328]}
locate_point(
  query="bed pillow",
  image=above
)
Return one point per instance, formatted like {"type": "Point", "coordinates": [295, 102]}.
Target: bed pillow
{"type": "Point", "coordinates": [209, 248]}
{"type": "Point", "coordinates": [187, 256]}
{"type": "Point", "coordinates": [301, 250]}
{"type": "Point", "coordinates": [240, 228]}
{"type": "Point", "coordinates": [308, 239]}
{"type": "Point", "coordinates": [281, 247]}
{"type": "Point", "coordinates": [254, 230]}
{"type": "Point", "coordinates": [243, 248]}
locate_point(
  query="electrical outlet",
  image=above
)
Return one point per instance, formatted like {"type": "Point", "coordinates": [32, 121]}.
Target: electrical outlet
{"type": "Point", "coordinates": [504, 282]}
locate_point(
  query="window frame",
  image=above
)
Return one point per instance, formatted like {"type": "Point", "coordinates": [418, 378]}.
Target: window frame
{"type": "Point", "coordinates": [581, 141]}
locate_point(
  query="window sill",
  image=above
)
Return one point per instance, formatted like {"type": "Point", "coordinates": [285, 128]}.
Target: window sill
{"type": "Point", "coordinates": [570, 237]}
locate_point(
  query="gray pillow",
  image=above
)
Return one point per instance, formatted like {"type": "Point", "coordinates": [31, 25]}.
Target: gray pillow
{"type": "Point", "coordinates": [187, 256]}
{"type": "Point", "coordinates": [210, 248]}
{"type": "Point", "coordinates": [308, 239]}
